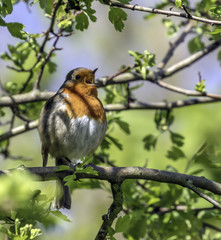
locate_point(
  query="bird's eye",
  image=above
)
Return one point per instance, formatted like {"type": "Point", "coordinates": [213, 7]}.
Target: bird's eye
{"type": "Point", "coordinates": [78, 77]}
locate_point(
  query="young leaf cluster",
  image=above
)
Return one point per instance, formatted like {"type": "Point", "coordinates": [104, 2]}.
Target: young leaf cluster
{"type": "Point", "coordinates": [22, 209]}
{"type": "Point", "coordinates": [143, 62]}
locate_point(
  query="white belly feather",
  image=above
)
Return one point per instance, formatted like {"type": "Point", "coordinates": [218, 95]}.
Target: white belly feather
{"type": "Point", "coordinates": [76, 138]}
{"type": "Point", "coordinates": [70, 137]}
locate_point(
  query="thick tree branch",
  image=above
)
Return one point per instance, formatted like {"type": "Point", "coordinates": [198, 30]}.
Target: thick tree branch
{"type": "Point", "coordinates": [119, 174]}
{"type": "Point", "coordinates": [113, 211]}
{"type": "Point", "coordinates": [162, 12]}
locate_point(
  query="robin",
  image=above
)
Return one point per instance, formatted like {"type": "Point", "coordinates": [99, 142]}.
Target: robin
{"type": "Point", "coordinates": [72, 124]}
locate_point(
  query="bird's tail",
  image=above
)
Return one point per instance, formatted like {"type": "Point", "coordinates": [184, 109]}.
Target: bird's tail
{"type": "Point", "coordinates": [62, 194]}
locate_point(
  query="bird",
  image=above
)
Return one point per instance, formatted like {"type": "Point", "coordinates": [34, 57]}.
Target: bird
{"type": "Point", "coordinates": [72, 124]}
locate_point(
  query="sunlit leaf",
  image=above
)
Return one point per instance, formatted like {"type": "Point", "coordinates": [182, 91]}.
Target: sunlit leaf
{"type": "Point", "coordinates": [178, 3]}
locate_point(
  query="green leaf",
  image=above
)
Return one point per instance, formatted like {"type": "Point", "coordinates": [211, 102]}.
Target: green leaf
{"type": "Point", "coordinates": [63, 168]}
{"type": "Point", "coordinates": [122, 224]}
{"type": "Point", "coordinates": [123, 125]}
{"type": "Point", "coordinates": [61, 216]}
{"type": "Point", "coordinates": [125, 1]}
{"type": "Point", "coordinates": [61, 12]}
{"type": "Point", "coordinates": [201, 87]}
{"type": "Point", "coordinates": [163, 119]}
{"type": "Point", "coordinates": [175, 153]}
{"type": "Point", "coordinates": [19, 53]}
{"type": "Point", "coordinates": [171, 28]}
{"type": "Point", "coordinates": [5, 56]}
{"type": "Point", "coordinates": [90, 12]}
{"type": "Point", "coordinates": [105, 144]}
{"type": "Point", "coordinates": [111, 233]}
{"type": "Point", "coordinates": [2, 22]}
{"type": "Point", "coordinates": [196, 172]}
{"type": "Point", "coordinates": [137, 221]}
{"type": "Point", "coordinates": [143, 72]}
{"type": "Point", "coordinates": [46, 5]}
{"type": "Point", "coordinates": [117, 17]}
{"type": "Point", "coordinates": [11, 87]}
{"type": "Point", "coordinates": [219, 57]}
{"type": "Point", "coordinates": [115, 141]}
{"type": "Point", "coordinates": [4, 230]}
{"type": "Point", "coordinates": [216, 32]}
{"type": "Point", "coordinates": [195, 45]}
{"type": "Point", "coordinates": [70, 181]}
{"type": "Point", "coordinates": [143, 62]}
{"type": "Point", "coordinates": [51, 66]}
{"type": "Point", "coordinates": [88, 170]}
{"type": "Point", "coordinates": [82, 22]}
{"type": "Point", "coordinates": [150, 142]}
{"type": "Point", "coordinates": [2, 113]}
{"type": "Point", "coordinates": [6, 7]}
{"type": "Point", "coordinates": [177, 139]}
{"type": "Point", "coordinates": [216, 11]}
{"type": "Point", "coordinates": [16, 30]}
{"type": "Point", "coordinates": [178, 3]}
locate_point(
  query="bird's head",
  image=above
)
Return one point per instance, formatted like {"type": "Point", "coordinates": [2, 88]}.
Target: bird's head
{"type": "Point", "coordinates": [81, 75]}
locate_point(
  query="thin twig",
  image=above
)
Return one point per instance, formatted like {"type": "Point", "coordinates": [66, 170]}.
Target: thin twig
{"type": "Point", "coordinates": [186, 92]}
{"type": "Point", "coordinates": [118, 73]}
{"type": "Point", "coordinates": [173, 46]}
{"type": "Point", "coordinates": [162, 12]}
{"type": "Point", "coordinates": [212, 227]}
{"type": "Point", "coordinates": [18, 130]}
{"type": "Point", "coordinates": [46, 39]}
{"type": "Point", "coordinates": [186, 11]}
{"type": "Point", "coordinates": [50, 29]}
{"type": "Point", "coordinates": [165, 210]}
{"type": "Point", "coordinates": [201, 148]}
{"type": "Point", "coordinates": [46, 59]}
{"type": "Point", "coordinates": [190, 185]}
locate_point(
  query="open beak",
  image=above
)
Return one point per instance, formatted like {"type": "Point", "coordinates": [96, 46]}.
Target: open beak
{"type": "Point", "coordinates": [94, 71]}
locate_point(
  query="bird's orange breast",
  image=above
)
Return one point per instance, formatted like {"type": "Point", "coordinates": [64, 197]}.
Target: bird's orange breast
{"type": "Point", "coordinates": [81, 99]}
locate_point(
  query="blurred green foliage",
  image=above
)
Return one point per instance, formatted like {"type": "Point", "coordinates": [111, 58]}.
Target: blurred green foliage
{"type": "Point", "coordinates": [151, 210]}
{"type": "Point", "coordinates": [22, 209]}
